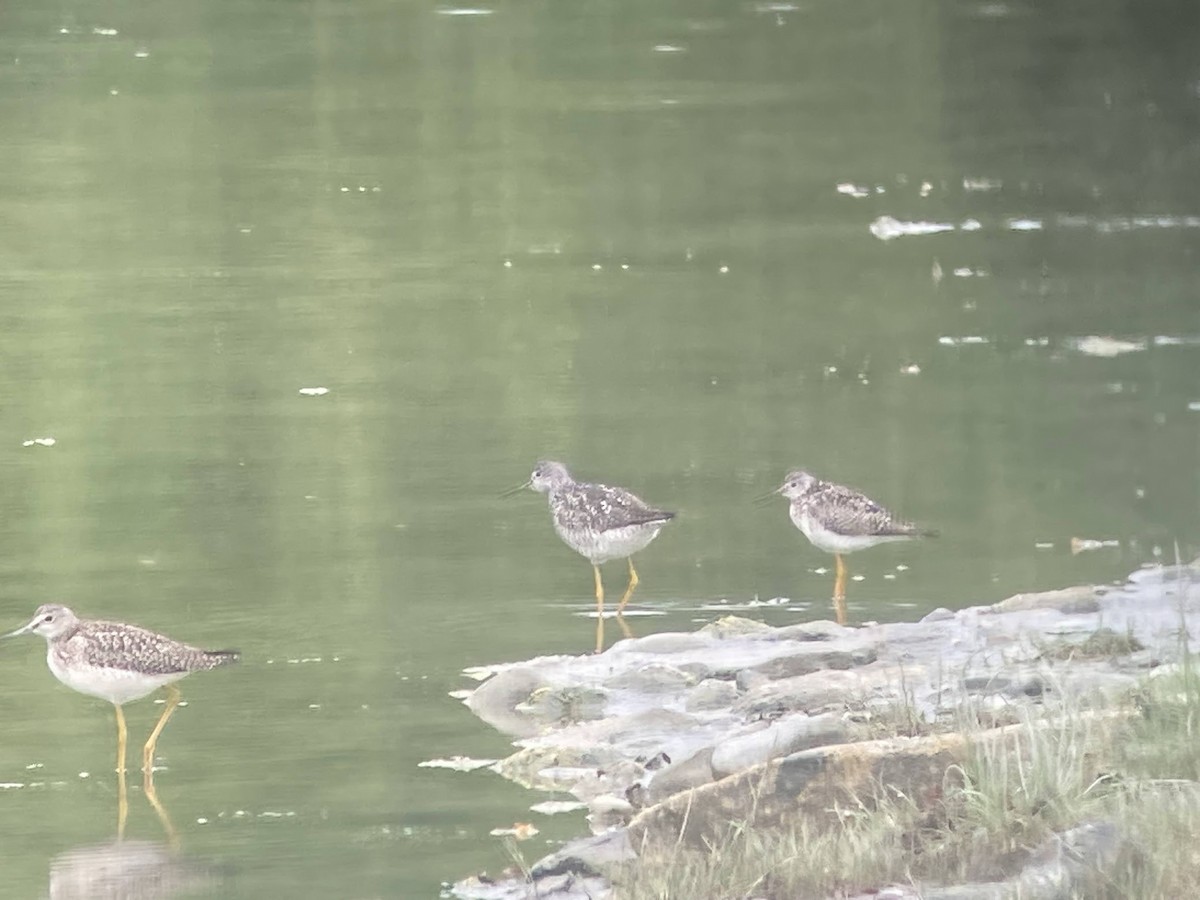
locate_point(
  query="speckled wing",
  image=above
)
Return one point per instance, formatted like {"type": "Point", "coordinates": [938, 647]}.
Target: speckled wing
{"type": "Point", "coordinates": [117, 646]}
{"type": "Point", "coordinates": [599, 507]}
{"type": "Point", "coordinates": [845, 511]}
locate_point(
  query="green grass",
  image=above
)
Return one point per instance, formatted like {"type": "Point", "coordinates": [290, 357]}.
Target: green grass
{"type": "Point", "coordinates": [1164, 741]}
{"type": "Point", "coordinates": [1137, 766]}
{"type": "Point", "coordinates": [869, 849]}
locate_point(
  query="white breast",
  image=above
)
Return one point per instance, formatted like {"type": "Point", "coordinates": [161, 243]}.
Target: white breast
{"type": "Point", "coordinates": [832, 542]}
{"type": "Point", "coordinates": [615, 543]}
{"type": "Point", "coordinates": [117, 686]}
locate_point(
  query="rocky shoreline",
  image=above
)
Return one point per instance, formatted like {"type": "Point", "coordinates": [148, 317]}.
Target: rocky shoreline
{"type": "Point", "coordinates": [675, 735]}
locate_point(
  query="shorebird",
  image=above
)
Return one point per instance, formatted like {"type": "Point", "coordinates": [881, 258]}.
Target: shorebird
{"type": "Point", "coordinates": [840, 520]}
{"type": "Point", "coordinates": [118, 663]}
{"type": "Point", "coordinates": [600, 523]}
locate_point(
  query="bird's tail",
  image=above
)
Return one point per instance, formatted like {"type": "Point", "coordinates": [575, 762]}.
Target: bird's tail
{"type": "Point", "coordinates": [221, 657]}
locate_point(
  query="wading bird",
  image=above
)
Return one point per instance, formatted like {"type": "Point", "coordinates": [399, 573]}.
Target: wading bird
{"type": "Point", "coordinates": [840, 520]}
{"type": "Point", "coordinates": [118, 663]}
{"type": "Point", "coordinates": [600, 523]}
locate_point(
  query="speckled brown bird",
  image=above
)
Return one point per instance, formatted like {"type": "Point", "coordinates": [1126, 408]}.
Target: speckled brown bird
{"type": "Point", "coordinates": [840, 520]}
{"type": "Point", "coordinates": [599, 522]}
{"type": "Point", "coordinates": [118, 663]}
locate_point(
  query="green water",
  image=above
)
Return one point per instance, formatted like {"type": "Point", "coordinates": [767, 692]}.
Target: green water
{"type": "Point", "coordinates": [607, 233]}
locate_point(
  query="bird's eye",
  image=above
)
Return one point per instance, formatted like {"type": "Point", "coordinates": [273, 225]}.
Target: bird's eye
{"type": "Point", "coordinates": [49, 617]}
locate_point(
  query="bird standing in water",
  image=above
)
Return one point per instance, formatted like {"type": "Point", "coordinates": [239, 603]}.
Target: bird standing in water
{"type": "Point", "coordinates": [600, 523]}
{"type": "Point", "coordinates": [840, 520]}
{"type": "Point", "coordinates": [118, 663]}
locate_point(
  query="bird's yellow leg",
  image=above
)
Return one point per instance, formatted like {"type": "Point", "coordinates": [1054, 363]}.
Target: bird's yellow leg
{"type": "Point", "coordinates": [839, 584]}
{"type": "Point", "coordinates": [633, 582]}
{"type": "Point", "coordinates": [839, 590]}
{"type": "Point", "coordinates": [599, 609]}
{"type": "Point", "coordinates": [122, 737]}
{"type": "Point", "coordinates": [159, 809]}
{"type": "Point", "coordinates": [122, 805]}
{"type": "Point", "coordinates": [173, 697]}
{"type": "Point", "coordinates": [625, 629]}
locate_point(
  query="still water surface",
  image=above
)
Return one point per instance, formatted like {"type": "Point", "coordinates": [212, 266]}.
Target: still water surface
{"type": "Point", "coordinates": [681, 246]}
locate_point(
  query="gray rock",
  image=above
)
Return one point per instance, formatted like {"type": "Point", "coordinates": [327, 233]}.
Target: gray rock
{"type": "Point", "coordinates": [653, 678]}
{"type": "Point", "coordinates": [716, 701]}
{"type": "Point", "coordinates": [648, 728]}
{"type": "Point", "coordinates": [564, 704]}
{"type": "Point", "coordinates": [820, 630]}
{"type": "Point", "coordinates": [1067, 866]}
{"type": "Point", "coordinates": [1143, 659]}
{"type": "Point", "coordinates": [697, 668]}
{"type": "Point", "coordinates": [891, 892]}
{"type": "Point", "coordinates": [616, 780]}
{"type": "Point", "coordinates": [665, 642]}
{"type": "Point", "coordinates": [735, 626]}
{"type": "Point", "coordinates": [688, 773]}
{"type": "Point", "coordinates": [988, 684]}
{"type": "Point", "coordinates": [712, 693]}
{"type": "Point", "coordinates": [782, 738]}
{"type": "Point", "coordinates": [496, 701]}
{"type": "Point", "coordinates": [1013, 684]}
{"type": "Point", "coordinates": [572, 873]}
{"type": "Point", "coordinates": [558, 768]}
{"type": "Point", "coordinates": [750, 680]}
{"type": "Point", "coordinates": [1166, 574]}
{"type": "Point", "coordinates": [828, 690]}
{"type": "Point", "coordinates": [1080, 599]}
{"type": "Point", "coordinates": [565, 886]}
{"type": "Point", "coordinates": [812, 784]}
{"type": "Point", "coordinates": [609, 805]}
{"type": "Point", "coordinates": [803, 658]}
{"type": "Point", "coordinates": [588, 855]}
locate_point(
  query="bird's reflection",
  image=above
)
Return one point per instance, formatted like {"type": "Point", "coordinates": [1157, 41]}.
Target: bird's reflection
{"type": "Point", "coordinates": [130, 869]}
{"type": "Point", "coordinates": [155, 804]}
{"type": "Point", "coordinates": [126, 870]}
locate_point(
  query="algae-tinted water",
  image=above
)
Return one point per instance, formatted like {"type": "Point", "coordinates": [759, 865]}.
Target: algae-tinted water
{"type": "Point", "coordinates": [943, 252]}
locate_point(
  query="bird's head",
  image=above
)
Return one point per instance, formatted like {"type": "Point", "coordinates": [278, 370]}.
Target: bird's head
{"type": "Point", "coordinates": [549, 475]}
{"type": "Point", "coordinates": [797, 484]}
{"type": "Point", "coordinates": [50, 621]}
